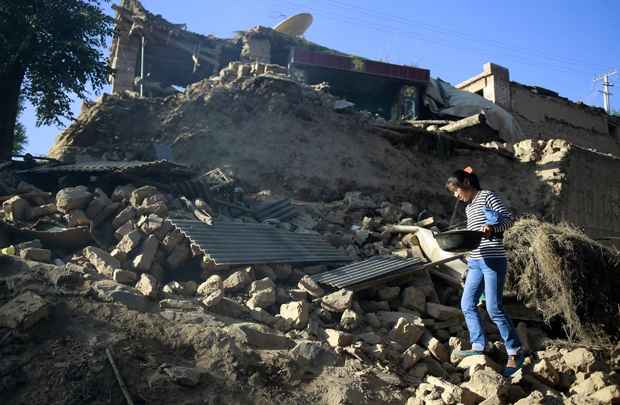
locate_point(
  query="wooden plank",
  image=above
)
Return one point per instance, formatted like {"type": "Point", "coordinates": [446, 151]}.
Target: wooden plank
{"type": "Point", "coordinates": [455, 269]}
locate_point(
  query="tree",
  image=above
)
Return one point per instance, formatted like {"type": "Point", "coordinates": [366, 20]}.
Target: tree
{"type": "Point", "coordinates": [19, 134]}
{"type": "Point", "coordinates": [50, 49]}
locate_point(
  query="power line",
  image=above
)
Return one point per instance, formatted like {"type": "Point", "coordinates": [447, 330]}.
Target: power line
{"type": "Point", "coordinates": [357, 21]}
{"type": "Point", "coordinates": [441, 30]}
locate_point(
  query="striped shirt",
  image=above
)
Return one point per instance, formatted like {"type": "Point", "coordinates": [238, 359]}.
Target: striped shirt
{"type": "Point", "coordinates": [492, 247]}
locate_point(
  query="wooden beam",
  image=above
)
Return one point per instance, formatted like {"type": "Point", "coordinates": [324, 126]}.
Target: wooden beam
{"type": "Point", "coordinates": [467, 122]}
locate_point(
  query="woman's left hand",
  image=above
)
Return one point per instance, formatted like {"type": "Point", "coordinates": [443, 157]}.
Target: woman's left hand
{"type": "Point", "coordinates": [487, 231]}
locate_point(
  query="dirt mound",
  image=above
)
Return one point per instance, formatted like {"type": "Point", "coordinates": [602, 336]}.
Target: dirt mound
{"type": "Point", "coordinates": [565, 274]}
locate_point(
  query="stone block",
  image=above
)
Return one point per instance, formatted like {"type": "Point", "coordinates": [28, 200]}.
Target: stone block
{"type": "Point", "coordinates": [36, 254]}
{"type": "Point", "coordinates": [338, 301]}
{"type": "Point", "coordinates": [213, 298]}
{"type": "Point", "coordinates": [125, 277]}
{"type": "Point", "coordinates": [71, 198]}
{"type": "Point", "coordinates": [124, 230]}
{"type": "Point", "coordinates": [180, 254]}
{"type": "Point", "coordinates": [212, 284]}
{"type": "Point", "coordinates": [42, 211]}
{"type": "Point", "coordinates": [414, 298]}
{"type": "Point", "coordinates": [130, 241]}
{"type": "Point", "coordinates": [101, 260]}
{"type": "Point", "coordinates": [406, 333]}
{"type": "Point", "coordinates": [76, 217]}
{"type": "Point", "coordinates": [388, 293]}
{"type": "Point", "coordinates": [350, 320]}
{"type": "Point", "coordinates": [238, 280]}
{"type": "Point", "coordinates": [297, 313]}
{"type": "Point", "coordinates": [144, 260]}
{"type": "Point", "coordinates": [147, 285]}
{"type": "Point", "coordinates": [128, 213]}
{"type": "Point", "coordinates": [337, 338]}
{"type": "Point", "coordinates": [412, 356]}
{"type": "Point", "coordinates": [150, 223]}
{"type": "Point", "coordinates": [16, 209]}
{"type": "Point", "coordinates": [442, 312]}
{"type": "Point", "coordinates": [23, 311]}
{"type": "Point", "coordinates": [310, 286]}
{"type": "Point", "coordinates": [139, 194]}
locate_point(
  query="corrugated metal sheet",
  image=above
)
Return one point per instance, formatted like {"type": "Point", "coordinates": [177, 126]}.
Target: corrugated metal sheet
{"type": "Point", "coordinates": [106, 166]}
{"type": "Point", "coordinates": [305, 57]}
{"type": "Point", "coordinates": [203, 185]}
{"type": "Point", "coordinates": [231, 243]}
{"type": "Point", "coordinates": [281, 210]}
{"type": "Point", "coordinates": [365, 270]}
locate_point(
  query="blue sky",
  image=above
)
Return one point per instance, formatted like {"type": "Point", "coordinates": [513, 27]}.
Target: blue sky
{"type": "Point", "coordinates": [558, 44]}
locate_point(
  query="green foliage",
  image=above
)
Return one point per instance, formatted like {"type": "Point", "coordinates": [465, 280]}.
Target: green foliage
{"type": "Point", "coordinates": [615, 113]}
{"type": "Point", "coordinates": [19, 139]}
{"type": "Point", "coordinates": [57, 46]}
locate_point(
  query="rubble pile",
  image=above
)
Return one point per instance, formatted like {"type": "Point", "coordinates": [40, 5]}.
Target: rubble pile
{"type": "Point", "coordinates": [402, 333]}
{"type": "Point", "coordinates": [238, 118]}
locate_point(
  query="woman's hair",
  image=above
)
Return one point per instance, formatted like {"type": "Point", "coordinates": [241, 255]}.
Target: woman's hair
{"type": "Point", "coordinates": [465, 179]}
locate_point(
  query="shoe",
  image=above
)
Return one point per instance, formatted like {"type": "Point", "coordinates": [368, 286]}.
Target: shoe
{"type": "Point", "coordinates": [519, 358]}
{"type": "Point", "coordinates": [461, 354]}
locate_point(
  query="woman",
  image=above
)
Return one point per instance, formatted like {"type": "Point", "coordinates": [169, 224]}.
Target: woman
{"type": "Point", "coordinates": [486, 266]}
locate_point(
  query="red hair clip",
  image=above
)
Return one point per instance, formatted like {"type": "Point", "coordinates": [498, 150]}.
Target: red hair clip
{"type": "Point", "coordinates": [468, 169]}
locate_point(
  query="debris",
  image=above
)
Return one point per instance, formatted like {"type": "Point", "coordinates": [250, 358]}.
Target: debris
{"type": "Point", "coordinates": [442, 312]}
{"type": "Point", "coordinates": [16, 209]}
{"type": "Point", "coordinates": [406, 332]}
{"type": "Point", "coordinates": [125, 277]}
{"type": "Point", "coordinates": [338, 301]}
{"type": "Point", "coordinates": [111, 291]}
{"type": "Point", "coordinates": [102, 260]}
{"type": "Point", "coordinates": [238, 280]}
{"type": "Point", "coordinates": [144, 260]}
{"type": "Point", "coordinates": [296, 312]}
{"type": "Point", "coordinates": [23, 311]}
{"type": "Point", "coordinates": [337, 338]}
{"type": "Point", "coordinates": [213, 298]}
{"type": "Point", "coordinates": [71, 198]}
{"type": "Point", "coordinates": [147, 285]}
{"type": "Point", "coordinates": [36, 254]}
{"type": "Point", "coordinates": [310, 286]}
{"type": "Point", "coordinates": [119, 379]}
{"type": "Point", "coordinates": [211, 285]}
{"type": "Point", "coordinates": [262, 293]}
{"type": "Point", "coordinates": [350, 320]}
{"type": "Point", "coordinates": [412, 356]}
{"type": "Point", "coordinates": [185, 376]}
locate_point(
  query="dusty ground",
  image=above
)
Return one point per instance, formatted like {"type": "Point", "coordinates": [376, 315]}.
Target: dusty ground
{"type": "Point", "coordinates": [62, 359]}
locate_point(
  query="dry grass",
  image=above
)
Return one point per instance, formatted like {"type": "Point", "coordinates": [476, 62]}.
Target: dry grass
{"type": "Point", "coordinates": [565, 274]}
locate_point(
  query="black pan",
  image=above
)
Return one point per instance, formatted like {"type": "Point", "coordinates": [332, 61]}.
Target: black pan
{"type": "Point", "coordinates": [458, 241]}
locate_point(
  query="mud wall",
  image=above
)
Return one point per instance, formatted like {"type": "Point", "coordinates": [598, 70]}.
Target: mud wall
{"type": "Point", "coordinates": [590, 194]}
{"type": "Point", "coordinates": [545, 117]}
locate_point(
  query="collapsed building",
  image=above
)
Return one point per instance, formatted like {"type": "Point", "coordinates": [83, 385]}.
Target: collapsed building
{"type": "Point", "coordinates": [401, 104]}
{"type": "Point", "coordinates": [252, 220]}
{"type": "Point", "coordinates": [543, 114]}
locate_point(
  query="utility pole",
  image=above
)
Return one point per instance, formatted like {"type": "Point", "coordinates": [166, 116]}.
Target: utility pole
{"type": "Point", "coordinates": [606, 85]}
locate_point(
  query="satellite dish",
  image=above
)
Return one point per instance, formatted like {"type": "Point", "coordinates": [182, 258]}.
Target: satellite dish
{"type": "Point", "coordinates": [296, 25]}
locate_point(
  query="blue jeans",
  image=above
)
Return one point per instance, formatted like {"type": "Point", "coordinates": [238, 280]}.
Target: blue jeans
{"type": "Point", "coordinates": [487, 275]}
